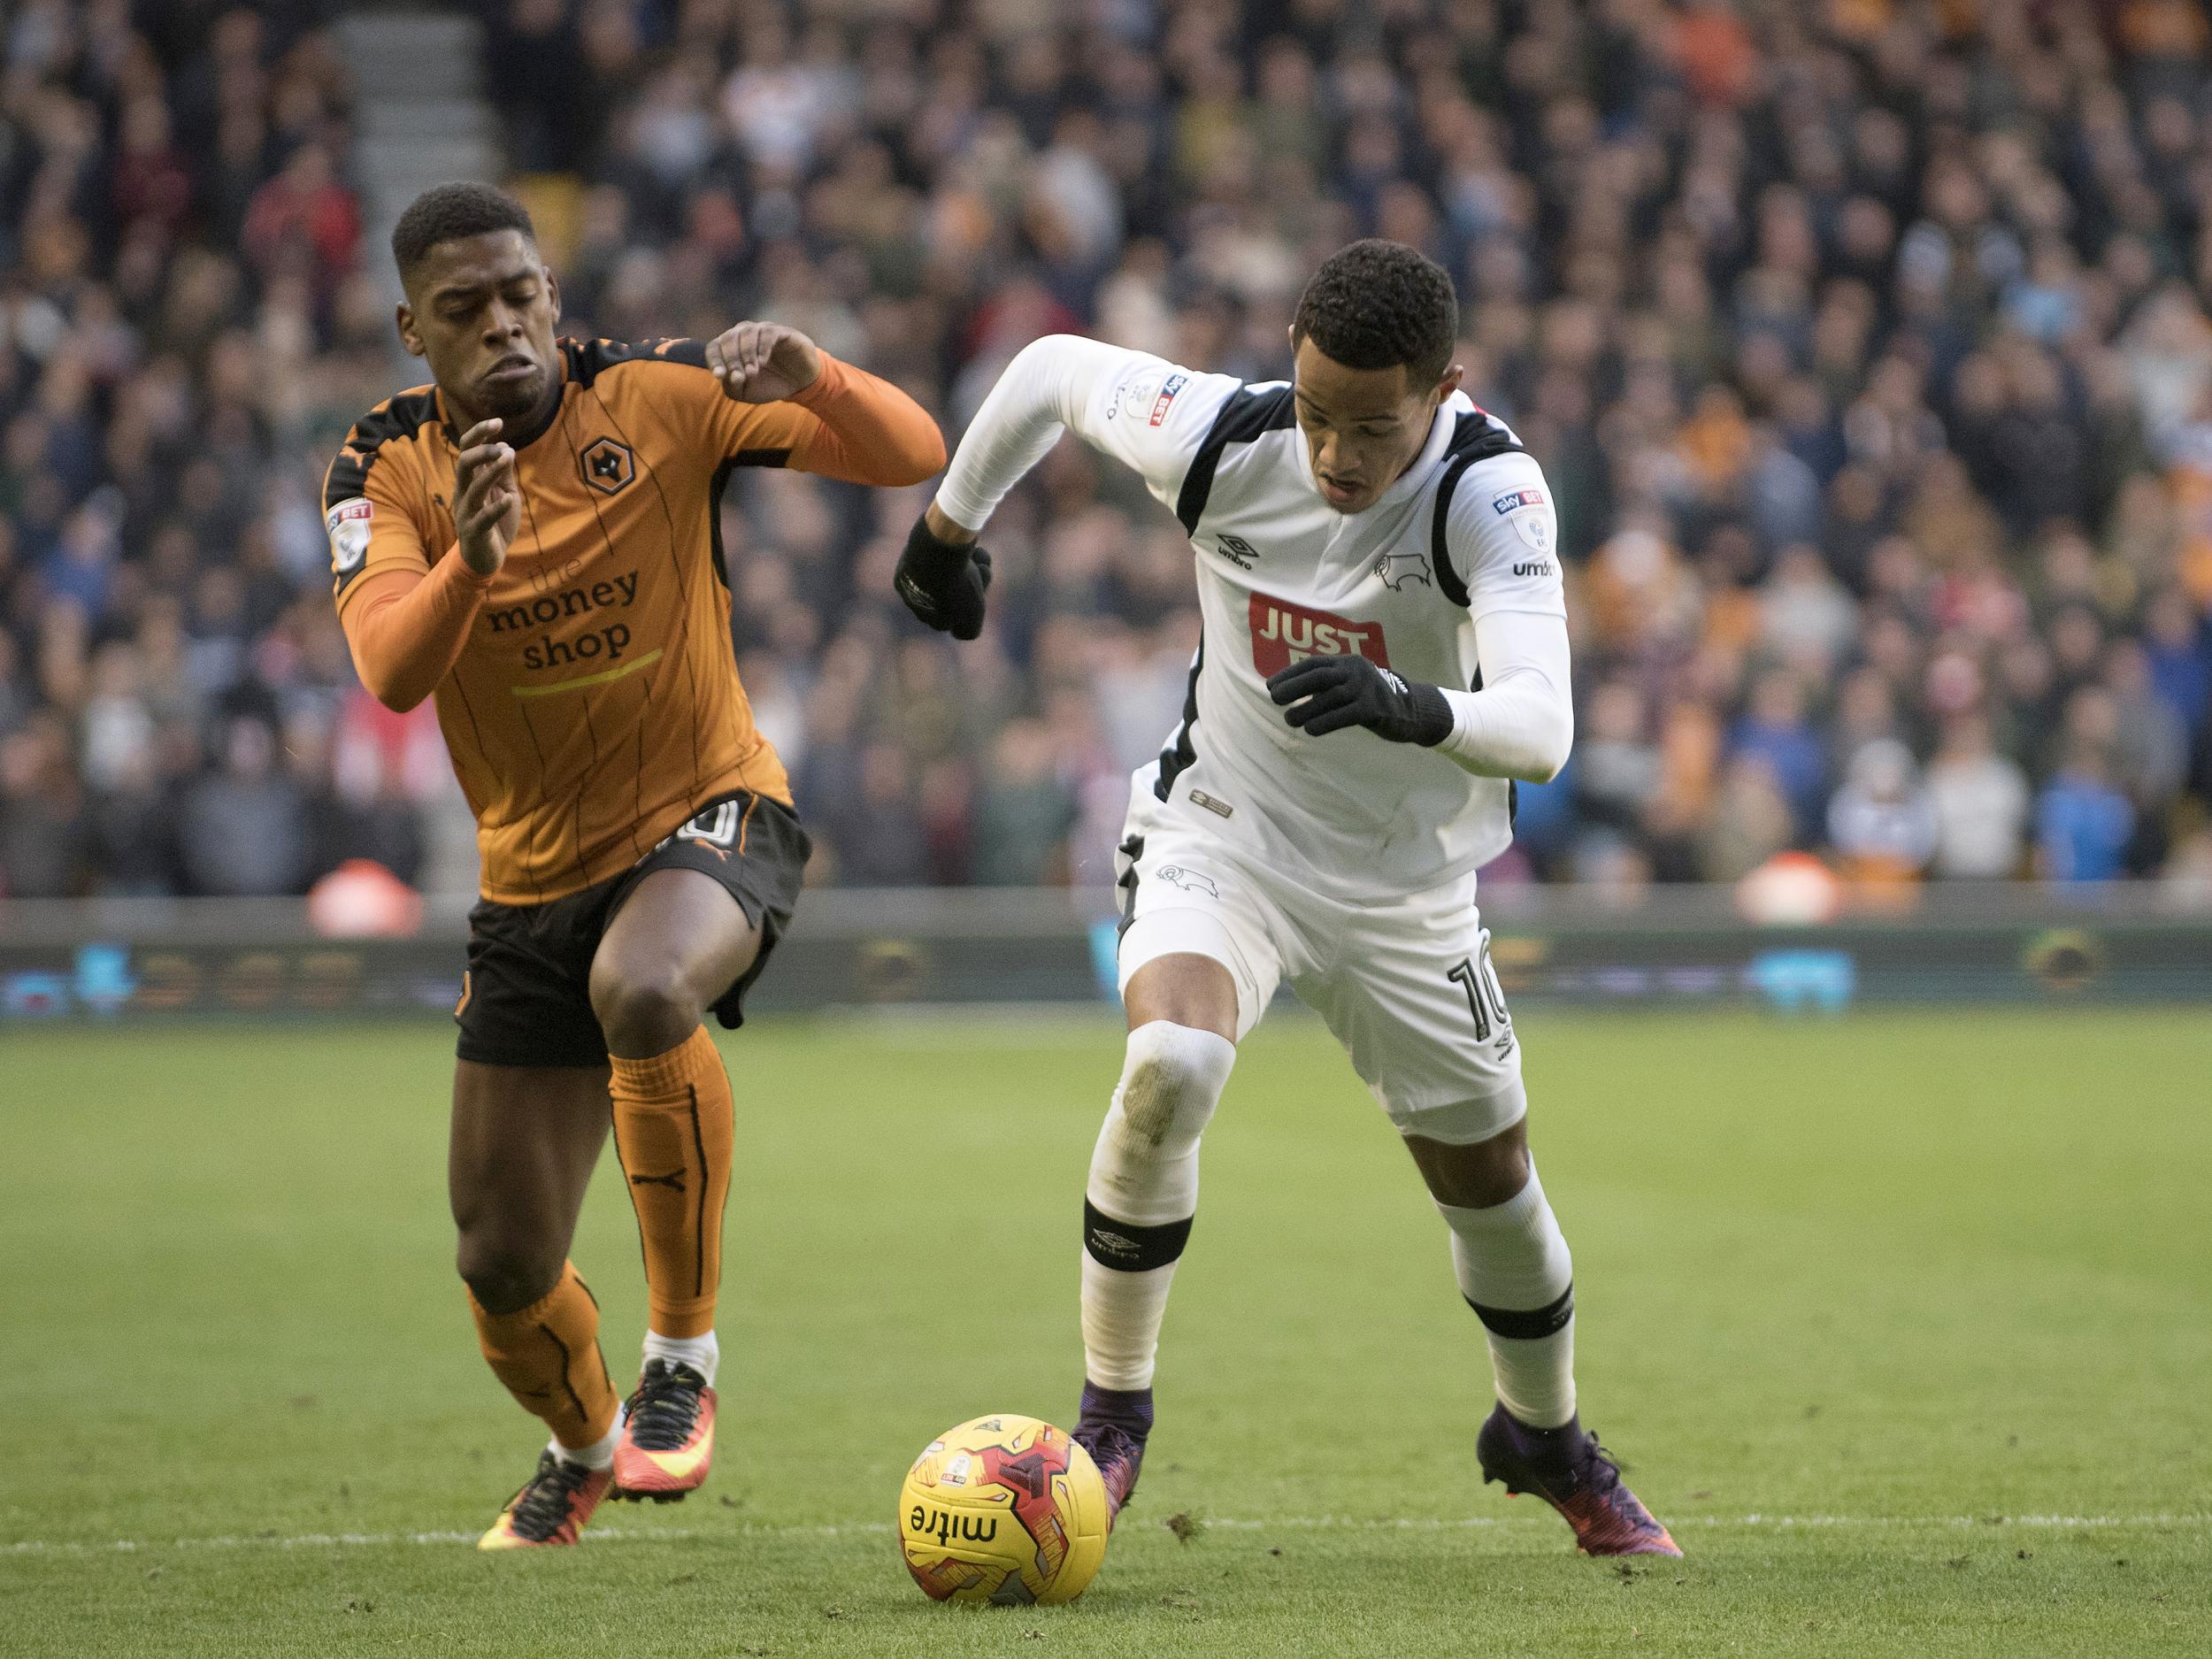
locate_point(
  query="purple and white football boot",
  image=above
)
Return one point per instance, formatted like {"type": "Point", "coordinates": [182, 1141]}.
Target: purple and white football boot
{"type": "Point", "coordinates": [1111, 1426]}
{"type": "Point", "coordinates": [1568, 1470]}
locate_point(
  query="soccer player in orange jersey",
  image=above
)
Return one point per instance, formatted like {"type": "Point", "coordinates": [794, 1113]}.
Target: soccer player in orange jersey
{"type": "Point", "coordinates": [532, 540]}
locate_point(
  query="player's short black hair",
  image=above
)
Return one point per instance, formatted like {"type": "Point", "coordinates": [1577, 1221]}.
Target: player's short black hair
{"type": "Point", "coordinates": [1375, 303]}
{"type": "Point", "coordinates": [447, 213]}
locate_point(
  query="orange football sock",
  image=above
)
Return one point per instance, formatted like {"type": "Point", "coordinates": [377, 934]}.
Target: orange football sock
{"type": "Point", "coordinates": [547, 1354]}
{"type": "Point", "coordinates": [674, 1122]}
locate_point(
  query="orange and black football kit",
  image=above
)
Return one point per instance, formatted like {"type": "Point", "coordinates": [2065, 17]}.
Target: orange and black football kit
{"type": "Point", "coordinates": [588, 691]}
{"type": "Point", "coordinates": [588, 694]}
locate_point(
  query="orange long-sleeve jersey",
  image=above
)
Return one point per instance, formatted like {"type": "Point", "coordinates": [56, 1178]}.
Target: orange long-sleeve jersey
{"type": "Point", "coordinates": [588, 691]}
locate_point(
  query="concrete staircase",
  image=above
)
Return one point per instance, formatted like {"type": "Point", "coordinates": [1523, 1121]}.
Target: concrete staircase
{"type": "Point", "coordinates": [420, 115]}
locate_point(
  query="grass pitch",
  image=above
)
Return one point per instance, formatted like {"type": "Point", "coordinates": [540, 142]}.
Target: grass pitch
{"type": "Point", "coordinates": [1903, 1322]}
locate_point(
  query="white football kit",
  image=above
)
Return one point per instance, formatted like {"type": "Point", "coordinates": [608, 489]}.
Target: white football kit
{"type": "Point", "coordinates": [1343, 864]}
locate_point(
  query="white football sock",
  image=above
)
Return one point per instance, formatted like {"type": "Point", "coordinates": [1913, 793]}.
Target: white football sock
{"type": "Point", "coordinates": [1514, 1268]}
{"type": "Point", "coordinates": [599, 1453]}
{"type": "Point", "coordinates": [1122, 1314]}
{"type": "Point", "coordinates": [703, 1354]}
{"type": "Point", "coordinates": [1143, 1194]}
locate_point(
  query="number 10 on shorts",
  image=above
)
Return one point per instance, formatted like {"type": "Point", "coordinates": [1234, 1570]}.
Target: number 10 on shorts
{"type": "Point", "coordinates": [1486, 998]}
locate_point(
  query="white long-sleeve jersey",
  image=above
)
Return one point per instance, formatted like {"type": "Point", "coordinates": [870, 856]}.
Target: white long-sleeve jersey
{"type": "Point", "coordinates": [1464, 593]}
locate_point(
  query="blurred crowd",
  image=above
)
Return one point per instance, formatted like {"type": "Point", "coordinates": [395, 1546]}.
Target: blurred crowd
{"type": "Point", "coordinates": [1865, 344]}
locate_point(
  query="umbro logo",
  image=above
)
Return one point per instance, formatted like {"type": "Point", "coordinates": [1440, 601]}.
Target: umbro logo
{"type": "Point", "coordinates": [1237, 550]}
{"type": "Point", "coordinates": [674, 1179]}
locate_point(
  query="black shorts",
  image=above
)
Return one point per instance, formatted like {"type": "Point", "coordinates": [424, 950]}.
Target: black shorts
{"type": "Point", "coordinates": [527, 999]}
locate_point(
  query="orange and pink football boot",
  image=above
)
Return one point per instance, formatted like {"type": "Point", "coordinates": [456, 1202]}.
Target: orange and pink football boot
{"type": "Point", "coordinates": [552, 1507]}
{"type": "Point", "coordinates": [667, 1443]}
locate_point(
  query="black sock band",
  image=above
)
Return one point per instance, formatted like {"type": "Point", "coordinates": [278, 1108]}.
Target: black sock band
{"type": "Point", "coordinates": [1130, 1249]}
{"type": "Point", "coordinates": [1531, 1324]}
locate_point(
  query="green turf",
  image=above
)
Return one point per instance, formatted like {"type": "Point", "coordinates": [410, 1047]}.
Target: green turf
{"type": "Point", "coordinates": [1930, 1294]}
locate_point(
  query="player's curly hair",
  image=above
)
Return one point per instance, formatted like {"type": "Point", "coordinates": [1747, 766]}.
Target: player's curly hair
{"type": "Point", "coordinates": [447, 213]}
{"type": "Point", "coordinates": [1375, 304]}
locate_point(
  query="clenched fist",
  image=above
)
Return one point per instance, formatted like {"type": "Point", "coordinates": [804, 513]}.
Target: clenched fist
{"type": "Point", "coordinates": [763, 363]}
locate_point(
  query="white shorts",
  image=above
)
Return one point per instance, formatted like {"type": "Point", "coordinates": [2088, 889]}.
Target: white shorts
{"type": "Point", "coordinates": [1407, 986]}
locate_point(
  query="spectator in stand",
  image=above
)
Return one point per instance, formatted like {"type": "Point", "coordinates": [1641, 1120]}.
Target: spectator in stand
{"type": "Point", "coordinates": [244, 829]}
{"type": "Point", "coordinates": [1881, 821]}
{"type": "Point", "coordinates": [2178, 647]}
{"type": "Point", "coordinates": [881, 840]}
{"type": "Point", "coordinates": [1616, 768]}
{"type": "Point", "coordinates": [2083, 824]}
{"type": "Point", "coordinates": [303, 218]}
{"type": "Point", "coordinates": [1980, 799]}
{"type": "Point", "coordinates": [1023, 812]}
{"type": "Point", "coordinates": [1751, 821]}
{"type": "Point", "coordinates": [42, 845]}
{"type": "Point", "coordinates": [1777, 733]}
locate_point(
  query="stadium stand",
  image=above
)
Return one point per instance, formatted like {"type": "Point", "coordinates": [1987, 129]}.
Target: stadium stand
{"type": "Point", "coordinates": [1865, 344]}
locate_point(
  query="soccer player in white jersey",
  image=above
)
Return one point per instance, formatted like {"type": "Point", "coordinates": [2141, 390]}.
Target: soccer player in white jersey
{"type": "Point", "coordinates": [1383, 652]}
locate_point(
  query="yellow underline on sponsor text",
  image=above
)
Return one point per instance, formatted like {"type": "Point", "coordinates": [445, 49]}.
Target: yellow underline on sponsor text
{"type": "Point", "coordinates": [581, 680]}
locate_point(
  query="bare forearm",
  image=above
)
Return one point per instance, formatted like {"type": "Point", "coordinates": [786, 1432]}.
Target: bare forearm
{"type": "Point", "coordinates": [942, 526]}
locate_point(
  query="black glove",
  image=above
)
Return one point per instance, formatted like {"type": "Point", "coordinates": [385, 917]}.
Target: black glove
{"type": "Point", "coordinates": [942, 582]}
{"type": "Point", "coordinates": [1341, 691]}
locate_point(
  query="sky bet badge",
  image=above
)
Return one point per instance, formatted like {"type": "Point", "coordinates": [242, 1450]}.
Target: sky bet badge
{"type": "Point", "coordinates": [348, 524]}
{"type": "Point", "coordinates": [1523, 510]}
